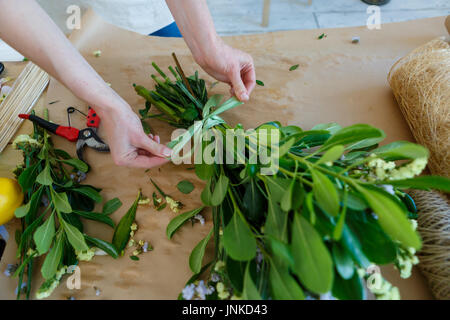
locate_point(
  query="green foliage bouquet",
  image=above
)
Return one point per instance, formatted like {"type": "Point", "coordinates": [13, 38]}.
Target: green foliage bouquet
{"type": "Point", "coordinates": [334, 209]}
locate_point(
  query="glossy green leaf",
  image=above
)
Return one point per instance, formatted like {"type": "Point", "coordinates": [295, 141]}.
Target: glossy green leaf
{"type": "Point", "coordinates": [220, 190]}
{"type": "Point", "coordinates": [312, 260]}
{"type": "Point", "coordinates": [204, 171]}
{"type": "Point", "coordinates": [351, 289]}
{"type": "Point", "coordinates": [391, 217]}
{"type": "Point", "coordinates": [61, 202]}
{"type": "Point", "coordinates": [23, 210]}
{"type": "Point", "coordinates": [53, 258]}
{"type": "Point", "coordinates": [123, 229]}
{"type": "Point", "coordinates": [28, 176]}
{"type": "Point", "coordinates": [401, 150]}
{"type": "Point", "coordinates": [179, 220]}
{"type": "Point", "coordinates": [325, 193]}
{"type": "Point", "coordinates": [332, 127]}
{"type": "Point", "coordinates": [96, 217]}
{"type": "Point", "coordinates": [253, 202]}
{"type": "Point", "coordinates": [283, 285]}
{"type": "Point", "coordinates": [109, 248]}
{"type": "Point", "coordinates": [250, 292]}
{"type": "Point", "coordinates": [238, 240]}
{"type": "Point", "coordinates": [343, 261]}
{"type": "Point", "coordinates": [77, 164]}
{"type": "Point", "coordinates": [332, 154]}
{"type": "Point", "coordinates": [111, 206]}
{"type": "Point", "coordinates": [196, 257]}
{"type": "Point", "coordinates": [75, 237]}
{"type": "Point", "coordinates": [423, 183]}
{"type": "Point", "coordinates": [276, 222]}
{"type": "Point", "coordinates": [90, 193]}
{"type": "Point", "coordinates": [43, 236]}
{"type": "Point", "coordinates": [185, 186]}
{"type": "Point", "coordinates": [352, 134]}
{"type": "Point", "coordinates": [45, 177]}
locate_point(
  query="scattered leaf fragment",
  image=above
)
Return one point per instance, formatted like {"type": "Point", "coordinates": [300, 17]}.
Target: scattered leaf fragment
{"type": "Point", "coordinates": [294, 67]}
{"type": "Point", "coordinates": [323, 35]}
{"type": "Point", "coordinates": [260, 83]}
{"type": "Point", "coordinates": [185, 186]}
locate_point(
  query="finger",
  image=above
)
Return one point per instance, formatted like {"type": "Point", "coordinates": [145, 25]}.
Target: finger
{"type": "Point", "coordinates": [147, 162]}
{"type": "Point", "coordinates": [155, 138]}
{"type": "Point", "coordinates": [154, 147]}
{"type": "Point", "coordinates": [238, 85]}
{"type": "Point", "coordinates": [249, 77]}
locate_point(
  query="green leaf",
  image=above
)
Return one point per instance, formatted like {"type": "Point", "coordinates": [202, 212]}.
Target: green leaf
{"type": "Point", "coordinates": [352, 134]}
{"type": "Point", "coordinates": [344, 263]}
{"type": "Point", "coordinates": [283, 285]}
{"type": "Point", "coordinates": [250, 292]}
{"type": "Point", "coordinates": [277, 187]}
{"type": "Point", "coordinates": [325, 193]}
{"type": "Point", "coordinates": [96, 217]}
{"type": "Point", "coordinates": [206, 194]}
{"type": "Point", "coordinates": [53, 258]}
{"type": "Point", "coordinates": [61, 202]}
{"type": "Point", "coordinates": [185, 186]}
{"type": "Point", "coordinates": [332, 154]}
{"type": "Point", "coordinates": [134, 258]}
{"type": "Point", "coordinates": [43, 236]}
{"type": "Point", "coordinates": [401, 150]}
{"type": "Point", "coordinates": [196, 257]}
{"type": "Point", "coordinates": [89, 192]}
{"type": "Point", "coordinates": [109, 248]}
{"type": "Point", "coordinates": [351, 289]}
{"type": "Point", "coordinates": [123, 229]}
{"type": "Point", "coordinates": [423, 183]}
{"type": "Point", "coordinates": [353, 246]}
{"type": "Point", "coordinates": [74, 236]}
{"type": "Point", "coordinates": [238, 239]}
{"type": "Point", "coordinates": [253, 202]}
{"type": "Point", "coordinates": [204, 171]}
{"type": "Point", "coordinates": [312, 261]}
{"type": "Point", "coordinates": [45, 177]}
{"type": "Point", "coordinates": [332, 127]}
{"type": "Point", "coordinates": [220, 190]}
{"type": "Point", "coordinates": [23, 210]}
{"type": "Point", "coordinates": [391, 217]}
{"type": "Point", "coordinates": [111, 206]}
{"type": "Point", "coordinates": [179, 220]}
{"type": "Point", "coordinates": [77, 164]}
{"type": "Point", "coordinates": [294, 67]}
{"type": "Point", "coordinates": [372, 238]}
{"type": "Point", "coordinates": [276, 222]}
{"type": "Point", "coordinates": [28, 176]}
{"type": "Point", "coordinates": [260, 83]}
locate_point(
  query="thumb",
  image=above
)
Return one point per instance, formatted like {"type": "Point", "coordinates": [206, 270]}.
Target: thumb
{"type": "Point", "coordinates": [238, 85]}
{"type": "Point", "coordinates": [153, 147]}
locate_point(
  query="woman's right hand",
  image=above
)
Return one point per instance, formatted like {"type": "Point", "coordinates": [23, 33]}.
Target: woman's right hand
{"type": "Point", "coordinates": [129, 144]}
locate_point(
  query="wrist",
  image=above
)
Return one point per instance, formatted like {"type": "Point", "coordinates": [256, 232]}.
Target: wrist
{"type": "Point", "coordinates": [205, 52]}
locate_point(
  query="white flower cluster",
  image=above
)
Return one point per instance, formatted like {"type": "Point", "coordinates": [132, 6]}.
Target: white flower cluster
{"type": "Point", "coordinates": [86, 255]}
{"type": "Point", "coordinates": [175, 205]}
{"type": "Point", "coordinates": [387, 170]}
{"type": "Point", "coordinates": [197, 290]}
{"type": "Point", "coordinates": [406, 258]}
{"type": "Point", "coordinates": [386, 291]}
{"type": "Point", "coordinates": [50, 285]}
{"type": "Point", "coordinates": [24, 140]}
{"type": "Point", "coordinates": [200, 218]}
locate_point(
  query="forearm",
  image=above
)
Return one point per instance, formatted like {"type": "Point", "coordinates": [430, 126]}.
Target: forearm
{"type": "Point", "coordinates": [196, 25]}
{"type": "Point", "coordinates": [28, 29]}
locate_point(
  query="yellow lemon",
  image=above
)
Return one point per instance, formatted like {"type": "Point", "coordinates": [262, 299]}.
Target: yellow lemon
{"type": "Point", "coordinates": [11, 197]}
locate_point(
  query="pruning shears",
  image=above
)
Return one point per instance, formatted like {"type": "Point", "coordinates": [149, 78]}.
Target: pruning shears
{"type": "Point", "coordinates": [85, 137]}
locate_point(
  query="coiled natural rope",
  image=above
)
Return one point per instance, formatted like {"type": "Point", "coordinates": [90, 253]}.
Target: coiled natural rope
{"type": "Point", "coordinates": [421, 84]}
{"type": "Point", "coordinates": [434, 227]}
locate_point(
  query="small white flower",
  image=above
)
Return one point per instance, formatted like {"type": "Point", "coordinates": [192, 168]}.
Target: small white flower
{"type": "Point", "coordinates": [200, 218]}
{"type": "Point", "coordinates": [215, 277]}
{"type": "Point", "coordinates": [188, 292]}
{"type": "Point", "coordinates": [86, 255]}
{"type": "Point", "coordinates": [388, 188]}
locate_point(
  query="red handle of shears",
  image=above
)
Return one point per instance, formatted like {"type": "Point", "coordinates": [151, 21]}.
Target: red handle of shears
{"type": "Point", "coordinates": [70, 133]}
{"type": "Point", "coordinates": [93, 120]}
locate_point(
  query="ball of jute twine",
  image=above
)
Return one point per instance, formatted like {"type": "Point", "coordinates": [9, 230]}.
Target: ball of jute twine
{"type": "Point", "coordinates": [421, 84]}
{"type": "Point", "coordinates": [434, 227]}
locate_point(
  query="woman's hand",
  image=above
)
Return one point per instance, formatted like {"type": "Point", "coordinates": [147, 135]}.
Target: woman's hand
{"type": "Point", "coordinates": [129, 144]}
{"type": "Point", "coordinates": [231, 66]}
